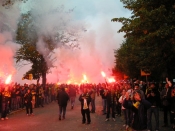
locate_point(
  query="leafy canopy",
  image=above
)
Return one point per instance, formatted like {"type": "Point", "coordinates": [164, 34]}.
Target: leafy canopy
{"type": "Point", "coordinates": [149, 33]}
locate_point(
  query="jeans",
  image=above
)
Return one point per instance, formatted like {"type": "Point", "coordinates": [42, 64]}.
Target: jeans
{"type": "Point", "coordinates": [62, 110]}
{"type": "Point", "coordinates": [52, 97]}
{"type": "Point", "coordinates": [85, 115]}
{"type": "Point", "coordinates": [18, 102]}
{"type": "Point", "coordinates": [104, 105]}
{"type": "Point", "coordinates": [22, 102]}
{"type": "Point", "coordinates": [126, 116]}
{"type": "Point", "coordinates": [29, 109]}
{"type": "Point", "coordinates": [166, 111]}
{"type": "Point", "coordinates": [118, 109]}
{"type": "Point", "coordinates": [72, 100]}
{"type": "Point", "coordinates": [46, 99]}
{"type": "Point", "coordinates": [93, 105]}
{"type": "Point", "coordinates": [155, 111]}
{"type": "Point", "coordinates": [112, 107]}
{"type": "Point", "coordinates": [13, 104]}
{"type": "Point", "coordinates": [5, 108]}
{"type": "Point", "coordinates": [40, 101]}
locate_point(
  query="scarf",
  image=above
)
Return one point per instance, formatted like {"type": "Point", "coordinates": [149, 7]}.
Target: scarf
{"type": "Point", "coordinates": [85, 104]}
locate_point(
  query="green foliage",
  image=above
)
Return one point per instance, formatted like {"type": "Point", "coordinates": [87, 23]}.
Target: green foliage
{"type": "Point", "coordinates": [149, 34]}
{"type": "Point", "coordinates": [27, 37]}
{"type": "Point", "coordinates": [126, 60]}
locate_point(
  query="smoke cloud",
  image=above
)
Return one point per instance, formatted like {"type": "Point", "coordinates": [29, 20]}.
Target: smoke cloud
{"type": "Point", "coordinates": [97, 36]}
{"type": "Point", "coordinates": [8, 25]}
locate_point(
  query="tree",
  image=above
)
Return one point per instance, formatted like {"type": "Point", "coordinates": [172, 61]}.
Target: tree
{"type": "Point", "coordinates": [150, 31]}
{"type": "Point", "coordinates": [126, 60]}
{"type": "Point", "coordinates": [28, 37]}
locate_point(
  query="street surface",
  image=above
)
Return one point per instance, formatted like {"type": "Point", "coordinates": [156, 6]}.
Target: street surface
{"type": "Point", "coordinates": [46, 119]}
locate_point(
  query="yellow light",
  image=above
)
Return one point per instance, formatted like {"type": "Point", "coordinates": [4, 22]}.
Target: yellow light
{"type": "Point", "coordinates": [85, 78]}
{"type": "Point", "coordinates": [69, 82]}
{"type": "Point", "coordinates": [8, 80]}
{"type": "Point", "coordinates": [103, 74]}
{"type": "Point", "coordinates": [110, 80]}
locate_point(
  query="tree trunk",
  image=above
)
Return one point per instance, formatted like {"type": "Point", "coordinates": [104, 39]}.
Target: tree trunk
{"type": "Point", "coordinates": [38, 80]}
{"type": "Point", "coordinates": [44, 79]}
{"type": "Point", "coordinates": [44, 71]}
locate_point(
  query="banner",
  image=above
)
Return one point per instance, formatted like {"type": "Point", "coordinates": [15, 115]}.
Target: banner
{"type": "Point", "coordinates": [30, 76]}
{"type": "Point", "coordinates": [125, 77]}
{"type": "Point", "coordinates": [143, 73]}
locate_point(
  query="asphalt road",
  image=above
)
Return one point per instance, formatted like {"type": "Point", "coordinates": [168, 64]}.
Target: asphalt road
{"type": "Point", "coordinates": [46, 119]}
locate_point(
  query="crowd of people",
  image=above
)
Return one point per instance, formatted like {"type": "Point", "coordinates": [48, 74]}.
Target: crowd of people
{"type": "Point", "coordinates": [14, 97]}
{"type": "Point", "coordinates": [136, 101]}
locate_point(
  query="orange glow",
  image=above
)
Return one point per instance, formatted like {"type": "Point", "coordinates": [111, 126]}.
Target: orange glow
{"type": "Point", "coordinates": [69, 82]}
{"type": "Point", "coordinates": [111, 80]}
{"type": "Point", "coordinates": [75, 83]}
{"type": "Point", "coordinates": [82, 81]}
{"type": "Point", "coordinates": [58, 83]}
{"type": "Point", "coordinates": [85, 78]}
{"type": "Point", "coordinates": [8, 80]}
{"type": "Point", "coordinates": [103, 74]}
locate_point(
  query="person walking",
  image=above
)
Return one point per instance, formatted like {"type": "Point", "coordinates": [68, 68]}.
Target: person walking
{"type": "Point", "coordinates": [85, 100]}
{"type": "Point", "coordinates": [18, 97]}
{"type": "Point", "coordinates": [41, 97]}
{"type": "Point", "coordinates": [111, 103]}
{"type": "Point", "coordinates": [124, 110]}
{"type": "Point", "coordinates": [118, 104]}
{"type": "Point", "coordinates": [153, 96]}
{"type": "Point", "coordinates": [72, 95]}
{"type": "Point", "coordinates": [173, 107]}
{"type": "Point", "coordinates": [5, 103]}
{"type": "Point", "coordinates": [139, 107]}
{"type": "Point", "coordinates": [28, 102]}
{"type": "Point", "coordinates": [165, 96]}
{"type": "Point", "coordinates": [103, 93]}
{"type": "Point", "coordinates": [92, 94]}
{"type": "Point", "coordinates": [63, 99]}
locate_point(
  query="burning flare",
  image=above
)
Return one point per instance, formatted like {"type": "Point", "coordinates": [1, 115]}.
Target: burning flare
{"type": "Point", "coordinates": [84, 79]}
{"type": "Point", "coordinates": [103, 74]}
{"type": "Point", "coordinates": [111, 80]}
{"type": "Point", "coordinates": [8, 80]}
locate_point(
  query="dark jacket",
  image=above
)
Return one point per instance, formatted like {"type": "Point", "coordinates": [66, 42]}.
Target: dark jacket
{"type": "Point", "coordinates": [28, 97]}
{"type": "Point", "coordinates": [139, 118]}
{"type": "Point", "coordinates": [154, 100]}
{"type": "Point", "coordinates": [166, 96]}
{"type": "Point", "coordinates": [173, 104]}
{"type": "Point", "coordinates": [173, 100]}
{"type": "Point", "coordinates": [62, 97]}
{"type": "Point", "coordinates": [102, 93]}
{"type": "Point", "coordinates": [5, 96]}
{"type": "Point", "coordinates": [88, 99]}
{"type": "Point", "coordinates": [111, 98]}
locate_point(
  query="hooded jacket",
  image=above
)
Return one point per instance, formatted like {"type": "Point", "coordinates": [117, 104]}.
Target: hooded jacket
{"type": "Point", "coordinates": [139, 109]}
